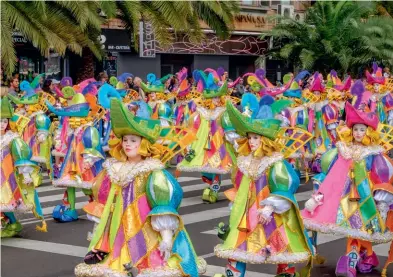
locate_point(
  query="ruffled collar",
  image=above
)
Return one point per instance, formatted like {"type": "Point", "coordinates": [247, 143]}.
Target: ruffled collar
{"type": "Point", "coordinates": [210, 114]}
{"type": "Point", "coordinates": [254, 167]}
{"type": "Point", "coordinates": [7, 139]}
{"type": "Point", "coordinates": [127, 171]}
{"type": "Point", "coordinates": [357, 152]}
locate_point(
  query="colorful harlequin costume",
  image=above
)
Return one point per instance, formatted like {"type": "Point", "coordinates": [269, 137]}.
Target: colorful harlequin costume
{"type": "Point", "coordinates": [81, 138]}
{"type": "Point", "coordinates": [261, 85]}
{"type": "Point", "coordinates": [20, 175]}
{"type": "Point", "coordinates": [140, 211]}
{"type": "Point", "coordinates": [356, 185]}
{"type": "Point", "coordinates": [156, 92]}
{"type": "Point", "coordinates": [212, 153]}
{"type": "Point", "coordinates": [264, 185]}
{"type": "Point", "coordinates": [299, 116]}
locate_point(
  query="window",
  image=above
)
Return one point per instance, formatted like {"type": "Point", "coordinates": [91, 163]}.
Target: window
{"type": "Point", "coordinates": [264, 3]}
{"type": "Point", "coordinates": [247, 2]}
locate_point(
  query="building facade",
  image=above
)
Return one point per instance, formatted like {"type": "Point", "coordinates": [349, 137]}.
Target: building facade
{"type": "Point", "coordinates": [238, 54]}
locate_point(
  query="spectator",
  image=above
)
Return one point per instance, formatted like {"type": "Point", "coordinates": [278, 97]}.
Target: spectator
{"type": "Point", "coordinates": [49, 85]}
{"type": "Point", "coordinates": [14, 86]}
{"type": "Point", "coordinates": [240, 87]}
{"type": "Point", "coordinates": [102, 77]}
{"type": "Point", "coordinates": [130, 83]}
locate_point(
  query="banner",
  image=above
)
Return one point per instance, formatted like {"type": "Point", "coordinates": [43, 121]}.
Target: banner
{"type": "Point", "coordinates": [147, 44]}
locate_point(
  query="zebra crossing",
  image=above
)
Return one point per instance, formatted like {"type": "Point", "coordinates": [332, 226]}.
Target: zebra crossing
{"type": "Point", "coordinates": [68, 240]}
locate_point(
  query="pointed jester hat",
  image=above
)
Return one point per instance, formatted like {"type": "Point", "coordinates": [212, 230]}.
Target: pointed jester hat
{"type": "Point", "coordinates": [77, 106]}
{"type": "Point", "coordinates": [30, 97]}
{"type": "Point", "coordinates": [125, 123]}
{"type": "Point", "coordinates": [261, 121]}
{"type": "Point", "coordinates": [6, 109]}
{"type": "Point", "coordinates": [155, 85]}
{"type": "Point", "coordinates": [207, 85]}
{"type": "Point", "coordinates": [360, 111]}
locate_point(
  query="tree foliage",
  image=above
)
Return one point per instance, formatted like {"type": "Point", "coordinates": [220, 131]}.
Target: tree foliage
{"type": "Point", "coordinates": [342, 35]}
{"type": "Point", "coordinates": [75, 25]}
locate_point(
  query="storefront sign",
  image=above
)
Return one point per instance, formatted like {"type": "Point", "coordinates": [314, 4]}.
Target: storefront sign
{"type": "Point", "coordinates": [147, 45]}
{"type": "Point", "coordinates": [252, 22]}
{"type": "Point", "coordinates": [115, 40]}
{"type": "Point", "coordinates": [19, 39]}
{"type": "Point", "coordinates": [235, 45]}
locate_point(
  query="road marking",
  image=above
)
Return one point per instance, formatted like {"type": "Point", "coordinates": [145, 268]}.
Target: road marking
{"type": "Point", "coordinates": [51, 247]}
{"type": "Point", "coordinates": [211, 270]}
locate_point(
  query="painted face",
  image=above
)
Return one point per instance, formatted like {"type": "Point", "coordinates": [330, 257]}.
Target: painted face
{"type": "Point", "coordinates": [376, 87]}
{"type": "Point", "coordinates": [216, 100]}
{"type": "Point", "coordinates": [254, 141]}
{"type": "Point", "coordinates": [131, 145]}
{"type": "Point", "coordinates": [153, 96]}
{"type": "Point", "coordinates": [3, 124]}
{"type": "Point", "coordinates": [359, 131]}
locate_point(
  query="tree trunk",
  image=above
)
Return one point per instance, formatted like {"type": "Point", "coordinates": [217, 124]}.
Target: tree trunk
{"type": "Point", "coordinates": [86, 68]}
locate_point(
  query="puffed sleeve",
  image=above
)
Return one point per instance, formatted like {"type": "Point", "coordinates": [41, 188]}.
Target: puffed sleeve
{"type": "Point", "coordinates": [381, 175]}
{"type": "Point", "coordinates": [283, 184]}
{"type": "Point", "coordinates": [164, 195]}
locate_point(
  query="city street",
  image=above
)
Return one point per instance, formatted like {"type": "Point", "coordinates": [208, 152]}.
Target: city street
{"type": "Point", "coordinates": [56, 253]}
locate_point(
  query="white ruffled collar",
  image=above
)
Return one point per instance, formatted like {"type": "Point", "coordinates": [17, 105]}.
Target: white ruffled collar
{"type": "Point", "coordinates": [7, 139]}
{"type": "Point", "coordinates": [210, 114]}
{"type": "Point", "coordinates": [128, 171]}
{"type": "Point", "coordinates": [255, 167]}
{"type": "Point", "coordinates": [357, 152]}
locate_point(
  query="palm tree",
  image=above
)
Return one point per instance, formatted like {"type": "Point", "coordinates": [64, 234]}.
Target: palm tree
{"type": "Point", "coordinates": [76, 25]}
{"type": "Point", "coordinates": [335, 35]}
{"type": "Point", "coordinates": [168, 18]}
{"type": "Point", "coordinates": [59, 25]}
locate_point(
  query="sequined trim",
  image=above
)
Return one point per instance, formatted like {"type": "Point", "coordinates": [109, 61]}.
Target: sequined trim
{"type": "Point", "coordinates": [210, 114]}
{"type": "Point", "coordinates": [343, 231]}
{"type": "Point", "coordinates": [357, 152]}
{"type": "Point", "coordinates": [129, 171]}
{"type": "Point", "coordinates": [98, 270]}
{"type": "Point", "coordinates": [255, 167]}
{"type": "Point", "coordinates": [18, 209]}
{"type": "Point", "coordinates": [254, 258]}
{"type": "Point", "coordinates": [38, 159]}
{"type": "Point", "coordinates": [7, 139]}
{"type": "Point", "coordinates": [203, 169]}
{"type": "Point", "coordinates": [71, 183]}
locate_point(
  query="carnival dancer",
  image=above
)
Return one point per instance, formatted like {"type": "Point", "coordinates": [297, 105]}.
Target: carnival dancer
{"type": "Point", "coordinates": [300, 117]}
{"type": "Point", "coordinates": [211, 154]}
{"type": "Point", "coordinates": [106, 92]}
{"type": "Point", "coordinates": [265, 226]}
{"type": "Point", "coordinates": [261, 85]}
{"type": "Point", "coordinates": [355, 189]}
{"type": "Point", "coordinates": [19, 176]}
{"type": "Point", "coordinates": [79, 135]}
{"type": "Point", "coordinates": [156, 92]}
{"type": "Point", "coordinates": [140, 232]}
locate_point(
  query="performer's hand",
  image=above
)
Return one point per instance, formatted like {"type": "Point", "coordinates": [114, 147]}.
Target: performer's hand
{"type": "Point", "coordinates": [165, 246]}
{"type": "Point", "coordinates": [265, 214]}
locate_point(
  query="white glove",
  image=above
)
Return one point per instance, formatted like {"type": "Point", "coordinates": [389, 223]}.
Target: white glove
{"type": "Point", "coordinates": [27, 178]}
{"type": "Point", "coordinates": [41, 136]}
{"type": "Point", "coordinates": [265, 214]}
{"type": "Point", "coordinates": [165, 246]}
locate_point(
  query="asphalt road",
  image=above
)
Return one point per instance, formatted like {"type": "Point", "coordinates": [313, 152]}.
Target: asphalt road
{"type": "Point", "coordinates": [57, 252]}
